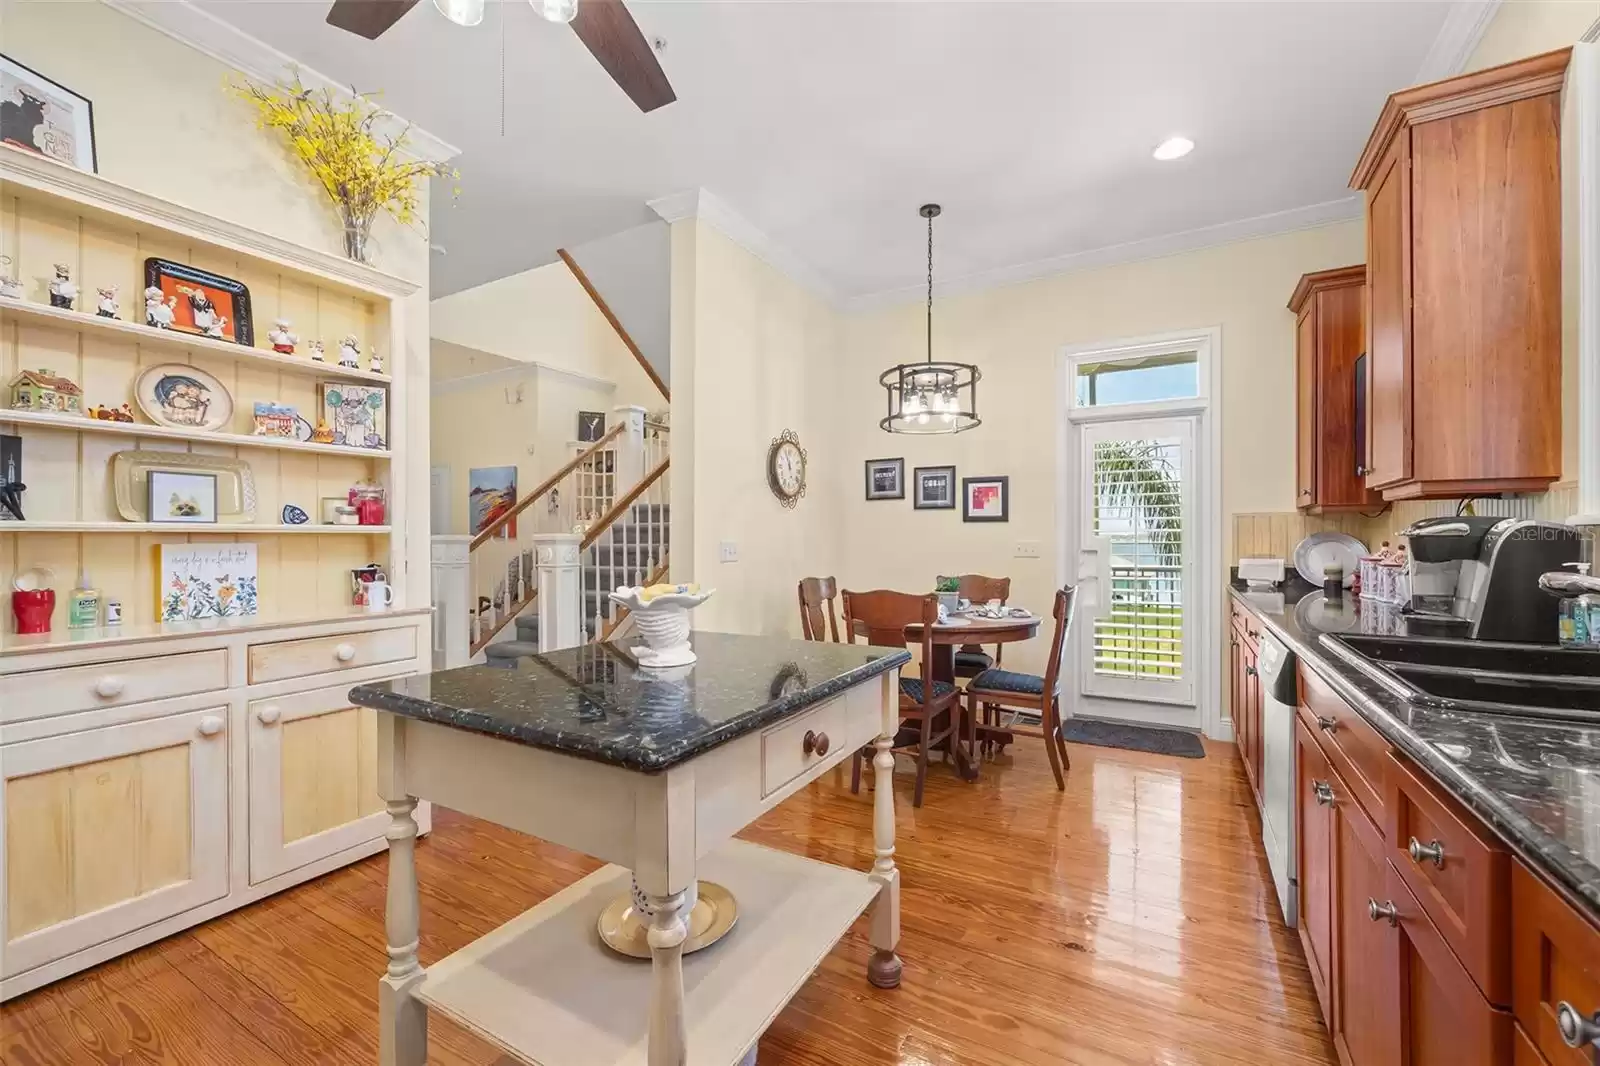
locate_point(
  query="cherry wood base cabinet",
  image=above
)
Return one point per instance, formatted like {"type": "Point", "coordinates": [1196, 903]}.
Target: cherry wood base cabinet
{"type": "Point", "coordinates": [1330, 335]}
{"type": "Point", "coordinates": [1463, 190]}
{"type": "Point", "coordinates": [1555, 974]}
{"type": "Point", "coordinates": [1245, 694]}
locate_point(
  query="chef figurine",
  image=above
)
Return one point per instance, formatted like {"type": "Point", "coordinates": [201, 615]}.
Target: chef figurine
{"type": "Point", "coordinates": [283, 341]}
{"type": "Point", "coordinates": [214, 329]}
{"type": "Point", "coordinates": [63, 290]}
{"type": "Point", "coordinates": [318, 353]}
{"type": "Point", "coordinates": [375, 363]}
{"type": "Point", "coordinates": [158, 312]}
{"type": "Point", "coordinates": [107, 307]}
{"type": "Point", "coordinates": [349, 352]}
{"type": "Point", "coordinates": [10, 287]}
{"type": "Point", "coordinates": [201, 309]}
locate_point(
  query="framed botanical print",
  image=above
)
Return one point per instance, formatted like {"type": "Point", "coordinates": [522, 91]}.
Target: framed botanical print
{"type": "Point", "coordinates": [934, 488]}
{"type": "Point", "coordinates": [44, 117]}
{"type": "Point", "coordinates": [886, 479]}
{"type": "Point", "coordinates": [986, 499]}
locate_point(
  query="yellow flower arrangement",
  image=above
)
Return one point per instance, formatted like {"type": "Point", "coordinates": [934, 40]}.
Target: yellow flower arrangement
{"type": "Point", "coordinates": [362, 169]}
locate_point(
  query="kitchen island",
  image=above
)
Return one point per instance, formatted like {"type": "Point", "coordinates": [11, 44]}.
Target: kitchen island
{"type": "Point", "coordinates": [653, 771]}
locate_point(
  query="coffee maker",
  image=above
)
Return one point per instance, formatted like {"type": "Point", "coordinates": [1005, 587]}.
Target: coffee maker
{"type": "Point", "coordinates": [1440, 548]}
{"type": "Point", "coordinates": [1479, 576]}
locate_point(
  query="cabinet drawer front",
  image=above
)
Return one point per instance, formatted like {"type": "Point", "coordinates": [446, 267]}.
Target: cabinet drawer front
{"type": "Point", "coordinates": [326, 655]}
{"type": "Point", "coordinates": [1459, 875]}
{"type": "Point", "coordinates": [87, 688]}
{"type": "Point", "coordinates": [1247, 625]}
{"type": "Point", "coordinates": [1526, 1054]}
{"type": "Point", "coordinates": [111, 830]}
{"type": "Point", "coordinates": [1354, 747]}
{"type": "Point", "coordinates": [1440, 1016]}
{"type": "Point", "coordinates": [785, 752]}
{"type": "Point", "coordinates": [1555, 959]}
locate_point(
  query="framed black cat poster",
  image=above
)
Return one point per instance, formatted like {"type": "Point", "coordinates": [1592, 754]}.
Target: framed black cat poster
{"type": "Point", "coordinates": [40, 116]}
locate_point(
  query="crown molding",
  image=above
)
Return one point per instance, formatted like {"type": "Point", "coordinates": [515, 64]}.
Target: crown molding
{"type": "Point", "coordinates": [1458, 38]}
{"type": "Point", "coordinates": [232, 47]}
{"type": "Point", "coordinates": [708, 207]}
{"type": "Point", "coordinates": [1244, 229]}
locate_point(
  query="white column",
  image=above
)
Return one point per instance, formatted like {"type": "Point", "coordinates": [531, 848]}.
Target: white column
{"type": "Point", "coordinates": [630, 446]}
{"type": "Point", "coordinates": [452, 601]}
{"type": "Point", "coordinates": [560, 598]}
{"type": "Point", "coordinates": [883, 969]}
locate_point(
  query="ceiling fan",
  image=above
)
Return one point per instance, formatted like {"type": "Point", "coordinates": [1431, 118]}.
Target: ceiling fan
{"type": "Point", "coordinates": [604, 26]}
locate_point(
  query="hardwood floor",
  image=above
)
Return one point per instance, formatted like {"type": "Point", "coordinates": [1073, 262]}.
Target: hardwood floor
{"type": "Point", "coordinates": [1127, 920]}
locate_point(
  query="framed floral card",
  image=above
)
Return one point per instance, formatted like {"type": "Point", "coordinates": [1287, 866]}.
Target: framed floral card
{"type": "Point", "coordinates": [986, 499]}
{"type": "Point", "coordinates": [198, 581]}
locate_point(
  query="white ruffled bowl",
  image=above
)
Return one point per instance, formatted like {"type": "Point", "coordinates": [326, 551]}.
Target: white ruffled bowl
{"type": "Point", "coordinates": [663, 622]}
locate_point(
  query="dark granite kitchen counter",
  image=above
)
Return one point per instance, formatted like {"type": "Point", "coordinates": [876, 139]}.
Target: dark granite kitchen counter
{"type": "Point", "coordinates": [1535, 782]}
{"type": "Point", "coordinates": [596, 703]}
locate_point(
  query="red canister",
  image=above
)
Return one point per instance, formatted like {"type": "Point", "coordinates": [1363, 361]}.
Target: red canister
{"type": "Point", "coordinates": [33, 608]}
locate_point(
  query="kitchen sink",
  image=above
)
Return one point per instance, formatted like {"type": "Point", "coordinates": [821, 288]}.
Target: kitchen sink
{"type": "Point", "coordinates": [1518, 679]}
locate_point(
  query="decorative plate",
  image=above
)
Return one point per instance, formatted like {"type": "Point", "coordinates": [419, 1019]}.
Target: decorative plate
{"type": "Point", "coordinates": [1325, 549]}
{"type": "Point", "coordinates": [183, 397]}
{"type": "Point", "coordinates": [130, 481]}
{"type": "Point", "coordinates": [623, 929]}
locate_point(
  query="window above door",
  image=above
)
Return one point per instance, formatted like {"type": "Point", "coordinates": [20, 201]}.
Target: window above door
{"type": "Point", "coordinates": [1157, 375]}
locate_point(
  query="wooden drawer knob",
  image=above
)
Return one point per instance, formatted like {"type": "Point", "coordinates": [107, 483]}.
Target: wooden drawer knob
{"type": "Point", "coordinates": [344, 652]}
{"type": "Point", "coordinates": [815, 744]}
{"type": "Point", "coordinates": [108, 687]}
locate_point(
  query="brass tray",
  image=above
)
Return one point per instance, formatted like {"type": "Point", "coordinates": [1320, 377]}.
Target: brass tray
{"type": "Point", "coordinates": [130, 480]}
{"type": "Point", "coordinates": [625, 932]}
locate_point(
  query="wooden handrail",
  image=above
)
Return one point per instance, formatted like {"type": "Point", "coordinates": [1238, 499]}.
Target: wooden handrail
{"type": "Point", "coordinates": [621, 506]}
{"type": "Point", "coordinates": [605, 311]}
{"type": "Point", "coordinates": [549, 483]}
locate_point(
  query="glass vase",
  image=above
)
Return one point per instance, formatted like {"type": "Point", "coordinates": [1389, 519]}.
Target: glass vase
{"type": "Point", "coordinates": [356, 233]}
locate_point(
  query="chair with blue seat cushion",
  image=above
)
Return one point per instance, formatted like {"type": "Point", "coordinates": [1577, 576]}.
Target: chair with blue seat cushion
{"type": "Point", "coordinates": [933, 708]}
{"type": "Point", "coordinates": [1029, 692]}
{"type": "Point", "coordinates": [972, 659]}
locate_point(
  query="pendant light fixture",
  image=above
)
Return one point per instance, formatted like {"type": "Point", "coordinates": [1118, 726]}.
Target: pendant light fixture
{"type": "Point", "coordinates": [931, 397]}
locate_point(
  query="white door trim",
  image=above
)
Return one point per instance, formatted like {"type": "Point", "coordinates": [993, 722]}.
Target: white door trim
{"type": "Point", "coordinates": [1585, 87]}
{"type": "Point", "coordinates": [1208, 604]}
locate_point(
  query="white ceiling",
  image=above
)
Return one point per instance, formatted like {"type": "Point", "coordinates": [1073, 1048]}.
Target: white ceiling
{"type": "Point", "coordinates": [826, 124]}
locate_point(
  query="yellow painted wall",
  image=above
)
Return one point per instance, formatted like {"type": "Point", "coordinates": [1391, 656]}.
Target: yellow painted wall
{"type": "Point", "coordinates": [200, 148]}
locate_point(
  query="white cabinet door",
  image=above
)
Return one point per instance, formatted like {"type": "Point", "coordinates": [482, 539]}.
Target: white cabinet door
{"type": "Point", "coordinates": [109, 830]}
{"type": "Point", "coordinates": [313, 779]}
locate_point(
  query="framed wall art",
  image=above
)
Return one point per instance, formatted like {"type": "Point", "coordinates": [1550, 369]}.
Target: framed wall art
{"type": "Point", "coordinates": [886, 479]}
{"type": "Point", "coordinates": [196, 581]}
{"type": "Point", "coordinates": [201, 302]}
{"type": "Point", "coordinates": [44, 117]}
{"type": "Point", "coordinates": [182, 498]}
{"type": "Point", "coordinates": [591, 426]}
{"type": "Point", "coordinates": [986, 499]}
{"type": "Point", "coordinates": [357, 415]}
{"type": "Point", "coordinates": [933, 488]}
{"type": "Point", "coordinates": [491, 492]}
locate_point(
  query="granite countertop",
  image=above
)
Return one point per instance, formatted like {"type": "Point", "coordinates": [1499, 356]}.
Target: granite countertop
{"type": "Point", "coordinates": [1535, 782]}
{"type": "Point", "coordinates": [596, 703]}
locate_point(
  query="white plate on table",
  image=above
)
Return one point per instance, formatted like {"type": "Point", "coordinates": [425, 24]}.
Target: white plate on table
{"type": "Point", "coordinates": [1321, 550]}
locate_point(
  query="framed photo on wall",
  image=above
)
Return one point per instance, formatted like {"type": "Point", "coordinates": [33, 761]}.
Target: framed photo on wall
{"type": "Point", "coordinates": [44, 117]}
{"type": "Point", "coordinates": [591, 426]}
{"type": "Point", "coordinates": [886, 479]}
{"type": "Point", "coordinates": [934, 488]}
{"type": "Point", "coordinates": [986, 499]}
{"type": "Point", "coordinates": [182, 498]}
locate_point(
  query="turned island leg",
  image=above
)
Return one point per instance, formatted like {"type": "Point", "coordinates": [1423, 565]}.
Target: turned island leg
{"type": "Point", "coordinates": [402, 1018]}
{"type": "Point", "coordinates": [669, 1034]}
{"type": "Point", "coordinates": [883, 971]}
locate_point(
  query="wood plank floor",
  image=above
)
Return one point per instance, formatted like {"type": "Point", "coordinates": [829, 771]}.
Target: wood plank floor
{"type": "Point", "coordinates": [1129, 920]}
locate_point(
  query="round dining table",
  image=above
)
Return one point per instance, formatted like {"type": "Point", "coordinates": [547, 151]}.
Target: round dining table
{"type": "Point", "coordinates": [948, 637]}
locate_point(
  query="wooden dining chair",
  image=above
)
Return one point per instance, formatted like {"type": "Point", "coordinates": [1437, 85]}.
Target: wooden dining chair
{"type": "Point", "coordinates": [882, 616]}
{"type": "Point", "coordinates": [1019, 691]}
{"type": "Point", "coordinates": [971, 659]}
{"type": "Point", "coordinates": [815, 594]}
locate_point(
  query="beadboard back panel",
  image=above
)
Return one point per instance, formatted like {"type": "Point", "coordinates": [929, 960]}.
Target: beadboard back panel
{"type": "Point", "coordinates": [1274, 534]}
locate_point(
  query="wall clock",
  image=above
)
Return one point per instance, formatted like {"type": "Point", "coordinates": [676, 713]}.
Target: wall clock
{"type": "Point", "coordinates": [786, 468]}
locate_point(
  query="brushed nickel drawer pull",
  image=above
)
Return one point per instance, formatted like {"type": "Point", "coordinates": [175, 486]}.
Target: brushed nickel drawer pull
{"type": "Point", "coordinates": [1326, 723]}
{"type": "Point", "coordinates": [1383, 912]}
{"type": "Point", "coordinates": [815, 744]}
{"type": "Point", "coordinates": [1324, 793]}
{"type": "Point", "coordinates": [1576, 1030]}
{"type": "Point", "coordinates": [1433, 852]}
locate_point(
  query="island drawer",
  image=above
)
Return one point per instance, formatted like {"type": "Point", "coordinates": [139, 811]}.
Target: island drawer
{"type": "Point", "coordinates": [1352, 745]}
{"type": "Point", "coordinates": [86, 688]}
{"type": "Point", "coordinates": [791, 748]}
{"type": "Point", "coordinates": [287, 659]}
{"type": "Point", "coordinates": [1460, 876]}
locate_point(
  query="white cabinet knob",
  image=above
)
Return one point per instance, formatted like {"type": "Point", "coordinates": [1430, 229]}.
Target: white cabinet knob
{"type": "Point", "coordinates": [108, 687]}
{"type": "Point", "coordinates": [268, 714]}
{"type": "Point", "coordinates": [344, 652]}
{"type": "Point", "coordinates": [210, 725]}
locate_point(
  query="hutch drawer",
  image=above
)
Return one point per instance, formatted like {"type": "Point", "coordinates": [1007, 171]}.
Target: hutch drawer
{"type": "Point", "coordinates": [283, 660]}
{"type": "Point", "coordinates": [86, 688]}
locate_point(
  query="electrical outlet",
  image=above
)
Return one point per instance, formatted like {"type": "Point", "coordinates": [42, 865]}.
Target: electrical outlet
{"type": "Point", "coordinates": [1027, 549]}
{"type": "Point", "coordinates": [728, 551]}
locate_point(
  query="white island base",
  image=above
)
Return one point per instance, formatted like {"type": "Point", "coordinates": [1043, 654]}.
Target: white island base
{"type": "Point", "coordinates": [542, 987]}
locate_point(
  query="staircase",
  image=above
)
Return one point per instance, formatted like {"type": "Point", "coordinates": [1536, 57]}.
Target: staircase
{"type": "Point", "coordinates": [601, 521]}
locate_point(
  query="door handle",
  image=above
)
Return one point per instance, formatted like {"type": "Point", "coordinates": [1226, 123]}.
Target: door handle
{"type": "Point", "coordinates": [1327, 724]}
{"type": "Point", "coordinates": [344, 652]}
{"type": "Point", "coordinates": [268, 715]}
{"type": "Point", "coordinates": [1324, 793]}
{"type": "Point", "coordinates": [1383, 912]}
{"type": "Point", "coordinates": [210, 725]}
{"type": "Point", "coordinates": [1431, 852]}
{"type": "Point", "coordinates": [1576, 1030]}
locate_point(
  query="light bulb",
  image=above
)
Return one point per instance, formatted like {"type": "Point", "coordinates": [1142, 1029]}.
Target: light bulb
{"type": "Point", "coordinates": [913, 403]}
{"type": "Point", "coordinates": [1173, 148]}
{"type": "Point", "coordinates": [556, 10]}
{"type": "Point", "coordinates": [922, 419]}
{"type": "Point", "coordinates": [948, 417]}
{"type": "Point", "coordinates": [461, 12]}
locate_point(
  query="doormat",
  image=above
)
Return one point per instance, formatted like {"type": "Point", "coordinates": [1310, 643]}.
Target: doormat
{"type": "Point", "coordinates": [1134, 738]}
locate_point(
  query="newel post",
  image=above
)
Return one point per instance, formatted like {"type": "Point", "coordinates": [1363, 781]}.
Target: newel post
{"type": "Point", "coordinates": [452, 601]}
{"type": "Point", "coordinates": [630, 446]}
{"type": "Point", "coordinates": [560, 599]}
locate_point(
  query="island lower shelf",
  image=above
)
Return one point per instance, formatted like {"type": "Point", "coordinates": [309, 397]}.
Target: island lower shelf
{"type": "Point", "coordinates": [544, 989]}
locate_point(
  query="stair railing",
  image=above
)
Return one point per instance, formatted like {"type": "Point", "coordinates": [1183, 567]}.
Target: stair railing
{"type": "Point", "coordinates": [629, 545]}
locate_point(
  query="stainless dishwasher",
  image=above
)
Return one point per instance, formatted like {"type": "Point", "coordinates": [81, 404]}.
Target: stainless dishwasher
{"type": "Point", "coordinates": [1276, 666]}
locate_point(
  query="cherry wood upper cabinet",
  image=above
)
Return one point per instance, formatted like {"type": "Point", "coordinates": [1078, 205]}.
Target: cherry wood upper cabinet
{"type": "Point", "coordinates": [1463, 188]}
{"type": "Point", "coordinates": [1330, 336]}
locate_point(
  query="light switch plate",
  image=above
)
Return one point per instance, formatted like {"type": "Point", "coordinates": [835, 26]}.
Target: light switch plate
{"type": "Point", "coordinates": [1028, 549]}
{"type": "Point", "coordinates": [728, 551]}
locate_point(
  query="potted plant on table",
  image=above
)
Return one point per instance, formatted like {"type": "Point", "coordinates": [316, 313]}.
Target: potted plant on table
{"type": "Point", "coordinates": [948, 590]}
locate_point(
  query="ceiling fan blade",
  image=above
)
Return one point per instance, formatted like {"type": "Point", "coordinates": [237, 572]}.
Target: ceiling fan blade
{"type": "Point", "coordinates": [609, 32]}
{"type": "Point", "coordinates": [368, 18]}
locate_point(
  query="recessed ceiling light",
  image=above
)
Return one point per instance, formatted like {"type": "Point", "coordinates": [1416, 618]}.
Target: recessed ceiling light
{"type": "Point", "coordinates": [1173, 148]}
